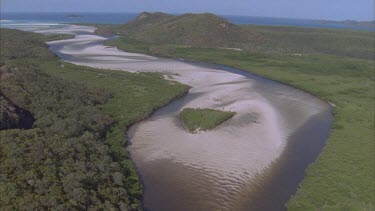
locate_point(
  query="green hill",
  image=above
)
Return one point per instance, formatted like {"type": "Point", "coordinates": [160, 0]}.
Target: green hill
{"type": "Point", "coordinates": [211, 31]}
{"type": "Point", "coordinates": [199, 30]}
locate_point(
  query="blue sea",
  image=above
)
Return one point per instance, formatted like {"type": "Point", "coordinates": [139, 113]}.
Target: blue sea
{"type": "Point", "coordinates": [12, 19]}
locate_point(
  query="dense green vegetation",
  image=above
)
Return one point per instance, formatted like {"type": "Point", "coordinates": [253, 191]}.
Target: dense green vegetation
{"type": "Point", "coordinates": [281, 41]}
{"type": "Point", "coordinates": [368, 24]}
{"type": "Point", "coordinates": [208, 30]}
{"type": "Point", "coordinates": [294, 40]}
{"type": "Point", "coordinates": [73, 156]}
{"type": "Point", "coordinates": [336, 65]}
{"type": "Point", "coordinates": [196, 119]}
{"type": "Point", "coordinates": [13, 116]}
{"type": "Point", "coordinates": [52, 37]}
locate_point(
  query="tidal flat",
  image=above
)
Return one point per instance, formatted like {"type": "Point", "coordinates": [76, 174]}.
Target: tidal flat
{"type": "Point", "coordinates": [219, 168]}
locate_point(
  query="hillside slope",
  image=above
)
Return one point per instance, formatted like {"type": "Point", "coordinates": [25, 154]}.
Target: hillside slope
{"type": "Point", "coordinates": [210, 31]}
{"type": "Point", "coordinates": [199, 30]}
{"type": "Point", "coordinates": [62, 128]}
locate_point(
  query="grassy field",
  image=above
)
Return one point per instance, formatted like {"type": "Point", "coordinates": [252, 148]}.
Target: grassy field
{"type": "Point", "coordinates": [196, 119]}
{"type": "Point", "coordinates": [74, 155]}
{"type": "Point", "coordinates": [342, 177]}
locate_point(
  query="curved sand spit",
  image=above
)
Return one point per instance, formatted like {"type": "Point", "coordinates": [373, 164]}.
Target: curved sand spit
{"type": "Point", "coordinates": [212, 170]}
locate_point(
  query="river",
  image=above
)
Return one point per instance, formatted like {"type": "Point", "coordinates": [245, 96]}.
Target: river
{"type": "Point", "coordinates": [253, 161]}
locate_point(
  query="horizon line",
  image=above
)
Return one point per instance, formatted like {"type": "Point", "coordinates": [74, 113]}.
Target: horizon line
{"type": "Point", "coordinates": [320, 19]}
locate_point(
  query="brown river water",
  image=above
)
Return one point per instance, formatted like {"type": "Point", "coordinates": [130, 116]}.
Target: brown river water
{"type": "Point", "coordinates": [253, 161]}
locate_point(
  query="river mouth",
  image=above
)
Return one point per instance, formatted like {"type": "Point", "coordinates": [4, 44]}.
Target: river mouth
{"type": "Point", "coordinates": [240, 165]}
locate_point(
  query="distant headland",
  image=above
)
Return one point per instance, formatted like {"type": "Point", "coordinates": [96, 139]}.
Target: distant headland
{"type": "Point", "coordinates": [370, 24]}
{"type": "Point", "coordinates": [75, 16]}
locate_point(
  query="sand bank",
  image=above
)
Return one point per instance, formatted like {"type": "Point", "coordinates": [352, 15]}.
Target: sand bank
{"type": "Point", "coordinates": [209, 170]}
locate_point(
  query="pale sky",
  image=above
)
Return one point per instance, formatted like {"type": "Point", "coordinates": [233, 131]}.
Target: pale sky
{"type": "Point", "coordinates": [308, 9]}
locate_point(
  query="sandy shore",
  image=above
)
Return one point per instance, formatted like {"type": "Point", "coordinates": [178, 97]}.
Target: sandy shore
{"type": "Point", "coordinates": [209, 170]}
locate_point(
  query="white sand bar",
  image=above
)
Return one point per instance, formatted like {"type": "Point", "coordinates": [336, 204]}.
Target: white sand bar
{"type": "Point", "coordinates": [210, 170]}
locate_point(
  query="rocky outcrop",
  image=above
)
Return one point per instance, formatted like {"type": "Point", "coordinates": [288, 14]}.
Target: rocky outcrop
{"type": "Point", "coordinates": [12, 116]}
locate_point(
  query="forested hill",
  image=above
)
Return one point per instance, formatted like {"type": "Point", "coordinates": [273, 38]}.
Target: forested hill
{"type": "Point", "coordinates": [210, 31]}
{"type": "Point", "coordinates": [204, 30]}
{"type": "Point", "coordinates": [71, 155]}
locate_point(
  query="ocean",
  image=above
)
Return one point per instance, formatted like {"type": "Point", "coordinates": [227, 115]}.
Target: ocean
{"type": "Point", "coordinates": [14, 20]}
